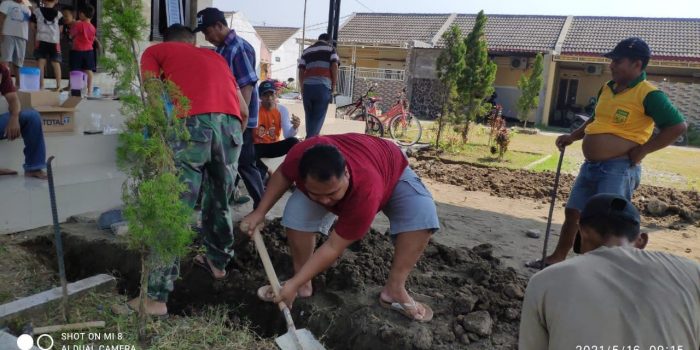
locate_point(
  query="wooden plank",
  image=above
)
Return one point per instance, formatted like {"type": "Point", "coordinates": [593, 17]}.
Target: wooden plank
{"type": "Point", "coordinates": [42, 301]}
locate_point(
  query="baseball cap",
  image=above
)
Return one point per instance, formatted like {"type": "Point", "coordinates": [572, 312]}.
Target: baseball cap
{"type": "Point", "coordinates": [266, 86]}
{"type": "Point", "coordinates": [630, 48]}
{"type": "Point", "coordinates": [209, 17]}
{"type": "Point", "coordinates": [611, 206]}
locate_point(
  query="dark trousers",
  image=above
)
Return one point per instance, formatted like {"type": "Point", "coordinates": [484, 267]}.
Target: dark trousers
{"type": "Point", "coordinates": [272, 150]}
{"type": "Point", "coordinates": [247, 169]}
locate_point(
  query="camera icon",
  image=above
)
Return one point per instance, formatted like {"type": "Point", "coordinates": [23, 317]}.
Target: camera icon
{"type": "Point", "coordinates": [26, 342]}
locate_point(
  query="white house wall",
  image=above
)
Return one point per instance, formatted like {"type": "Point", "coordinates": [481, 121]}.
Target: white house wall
{"type": "Point", "coordinates": [288, 54]}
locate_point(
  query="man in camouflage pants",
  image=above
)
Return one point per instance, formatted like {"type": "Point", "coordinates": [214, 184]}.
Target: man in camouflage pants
{"type": "Point", "coordinates": [209, 158]}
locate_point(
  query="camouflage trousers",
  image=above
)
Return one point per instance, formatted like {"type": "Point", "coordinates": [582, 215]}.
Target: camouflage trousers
{"type": "Point", "coordinates": [208, 160]}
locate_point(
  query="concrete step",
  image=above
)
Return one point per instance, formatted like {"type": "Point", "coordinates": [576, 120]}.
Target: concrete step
{"type": "Point", "coordinates": [79, 188]}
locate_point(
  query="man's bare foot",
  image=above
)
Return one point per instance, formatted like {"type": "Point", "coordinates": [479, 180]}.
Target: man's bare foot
{"type": "Point", "coordinates": [7, 172]}
{"type": "Point", "coordinates": [153, 307]}
{"type": "Point", "coordinates": [205, 263]}
{"type": "Point", "coordinates": [39, 174]}
{"type": "Point", "coordinates": [410, 308]}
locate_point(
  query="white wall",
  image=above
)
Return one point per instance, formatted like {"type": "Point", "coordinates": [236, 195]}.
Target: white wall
{"type": "Point", "coordinates": [288, 53]}
{"type": "Point", "coordinates": [243, 28]}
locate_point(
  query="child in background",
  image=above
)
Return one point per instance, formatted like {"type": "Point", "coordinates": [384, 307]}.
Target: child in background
{"type": "Point", "coordinates": [49, 24]}
{"type": "Point", "coordinates": [14, 21]}
{"type": "Point", "coordinates": [68, 13]}
{"type": "Point", "coordinates": [82, 56]}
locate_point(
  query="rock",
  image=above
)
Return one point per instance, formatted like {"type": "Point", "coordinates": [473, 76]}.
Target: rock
{"type": "Point", "coordinates": [110, 217]}
{"type": "Point", "coordinates": [512, 314]}
{"type": "Point", "coordinates": [472, 336]}
{"type": "Point", "coordinates": [422, 339]}
{"type": "Point", "coordinates": [655, 207]}
{"type": "Point", "coordinates": [533, 233]}
{"type": "Point", "coordinates": [687, 235]}
{"type": "Point", "coordinates": [464, 339]}
{"type": "Point", "coordinates": [464, 303]}
{"type": "Point", "coordinates": [484, 251]}
{"type": "Point", "coordinates": [514, 291]}
{"type": "Point", "coordinates": [458, 330]}
{"type": "Point", "coordinates": [120, 228]}
{"type": "Point", "coordinates": [478, 322]}
{"type": "Point", "coordinates": [86, 218]}
{"type": "Point", "coordinates": [688, 250]}
{"type": "Point", "coordinates": [687, 215]}
{"type": "Point", "coordinates": [444, 333]}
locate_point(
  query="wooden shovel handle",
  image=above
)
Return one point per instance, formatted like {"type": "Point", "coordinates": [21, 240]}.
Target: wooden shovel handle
{"type": "Point", "coordinates": [272, 276]}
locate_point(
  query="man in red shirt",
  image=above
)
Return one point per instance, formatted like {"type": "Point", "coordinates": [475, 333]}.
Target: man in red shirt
{"type": "Point", "coordinates": [210, 156]}
{"type": "Point", "coordinates": [353, 176]}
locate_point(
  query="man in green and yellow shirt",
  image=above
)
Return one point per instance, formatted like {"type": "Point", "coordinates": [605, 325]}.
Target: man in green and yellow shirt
{"type": "Point", "coordinates": [617, 137]}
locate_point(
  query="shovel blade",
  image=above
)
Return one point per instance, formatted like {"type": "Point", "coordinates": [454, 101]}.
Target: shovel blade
{"type": "Point", "coordinates": [306, 340]}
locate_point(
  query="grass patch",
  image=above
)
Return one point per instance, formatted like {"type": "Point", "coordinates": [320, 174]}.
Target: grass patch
{"type": "Point", "coordinates": [22, 274]}
{"type": "Point", "coordinates": [675, 167]}
{"type": "Point", "coordinates": [210, 328]}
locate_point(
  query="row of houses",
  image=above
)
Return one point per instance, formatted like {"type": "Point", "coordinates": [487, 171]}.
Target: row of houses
{"type": "Point", "coordinates": [396, 50]}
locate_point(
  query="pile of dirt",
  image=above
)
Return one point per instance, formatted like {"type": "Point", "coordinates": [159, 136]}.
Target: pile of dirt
{"type": "Point", "coordinates": [659, 205]}
{"type": "Point", "coordinates": [476, 301]}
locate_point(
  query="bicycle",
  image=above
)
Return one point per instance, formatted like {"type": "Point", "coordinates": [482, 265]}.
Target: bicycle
{"type": "Point", "coordinates": [358, 111]}
{"type": "Point", "coordinates": [403, 126]}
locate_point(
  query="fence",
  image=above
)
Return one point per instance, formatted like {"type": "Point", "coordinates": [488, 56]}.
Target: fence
{"type": "Point", "coordinates": [381, 74]}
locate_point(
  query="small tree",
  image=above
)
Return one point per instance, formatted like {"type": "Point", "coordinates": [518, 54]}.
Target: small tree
{"type": "Point", "coordinates": [159, 223]}
{"type": "Point", "coordinates": [478, 76]}
{"type": "Point", "coordinates": [530, 90]}
{"type": "Point", "coordinates": [450, 67]}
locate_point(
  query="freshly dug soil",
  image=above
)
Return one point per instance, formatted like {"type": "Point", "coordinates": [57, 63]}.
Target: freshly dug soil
{"type": "Point", "coordinates": [467, 288]}
{"type": "Point", "coordinates": [677, 206]}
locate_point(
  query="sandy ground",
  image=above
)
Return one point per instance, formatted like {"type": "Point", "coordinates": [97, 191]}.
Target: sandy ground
{"type": "Point", "coordinates": [471, 218]}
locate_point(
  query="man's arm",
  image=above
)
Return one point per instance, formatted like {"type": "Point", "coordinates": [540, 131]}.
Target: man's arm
{"type": "Point", "coordinates": [300, 79]}
{"type": "Point", "coordinates": [247, 92]}
{"type": "Point", "coordinates": [276, 187]}
{"type": "Point", "coordinates": [334, 76]}
{"type": "Point", "coordinates": [667, 118]}
{"type": "Point", "coordinates": [244, 108]}
{"type": "Point", "coordinates": [13, 131]}
{"type": "Point", "coordinates": [288, 128]}
{"type": "Point", "coordinates": [321, 260]}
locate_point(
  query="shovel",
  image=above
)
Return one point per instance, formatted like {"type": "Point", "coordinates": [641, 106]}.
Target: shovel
{"type": "Point", "coordinates": [294, 339]}
{"type": "Point", "coordinates": [59, 241]}
{"type": "Point", "coordinates": [551, 207]}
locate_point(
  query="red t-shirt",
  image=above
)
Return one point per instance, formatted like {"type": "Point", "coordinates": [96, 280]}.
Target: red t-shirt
{"type": "Point", "coordinates": [375, 166]}
{"type": "Point", "coordinates": [201, 74]}
{"type": "Point", "coordinates": [83, 34]}
{"type": "Point", "coordinates": [6, 84]}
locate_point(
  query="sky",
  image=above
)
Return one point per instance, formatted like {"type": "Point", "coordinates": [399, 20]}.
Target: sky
{"type": "Point", "coordinates": [291, 12]}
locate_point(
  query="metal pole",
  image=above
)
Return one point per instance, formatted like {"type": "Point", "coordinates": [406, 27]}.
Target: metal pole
{"type": "Point", "coordinates": [336, 24]}
{"type": "Point", "coordinates": [551, 208]}
{"type": "Point", "coordinates": [303, 32]}
{"type": "Point", "coordinates": [331, 16]}
{"type": "Point", "coordinates": [58, 240]}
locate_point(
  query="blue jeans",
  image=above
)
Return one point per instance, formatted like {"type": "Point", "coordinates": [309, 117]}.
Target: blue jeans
{"type": "Point", "coordinates": [616, 176]}
{"type": "Point", "coordinates": [247, 169]}
{"type": "Point", "coordinates": [316, 99]}
{"type": "Point", "coordinates": [33, 137]}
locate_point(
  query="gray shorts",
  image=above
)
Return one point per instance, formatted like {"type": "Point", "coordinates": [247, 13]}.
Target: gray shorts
{"type": "Point", "coordinates": [410, 208]}
{"type": "Point", "coordinates": [13, 49]}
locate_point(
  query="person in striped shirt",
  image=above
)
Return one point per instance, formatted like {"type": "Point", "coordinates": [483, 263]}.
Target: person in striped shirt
{"type": "Point", "coordinates": [318, 74]}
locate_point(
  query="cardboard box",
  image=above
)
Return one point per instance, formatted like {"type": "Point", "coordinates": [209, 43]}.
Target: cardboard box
{"type": "Point", "coordinates": [55, 117]}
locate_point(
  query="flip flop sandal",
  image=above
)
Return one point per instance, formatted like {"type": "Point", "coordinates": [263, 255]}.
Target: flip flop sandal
{"type": "Point", "coordinates": [537, 264]}
{"type": "Point", "coordinates": [126, 310]}
{"type": "Point", "coordinates": [205, 266]}
{"type": "Point", "coordinates": [265, 293]}
{"type": "Point", "coordinates": [402, 309]}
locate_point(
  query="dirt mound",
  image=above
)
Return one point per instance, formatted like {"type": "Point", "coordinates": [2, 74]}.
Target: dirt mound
{"type": "Point", "coordinates": [675, 206]}
{"type": "Point", "coordinates": [476, 302]}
